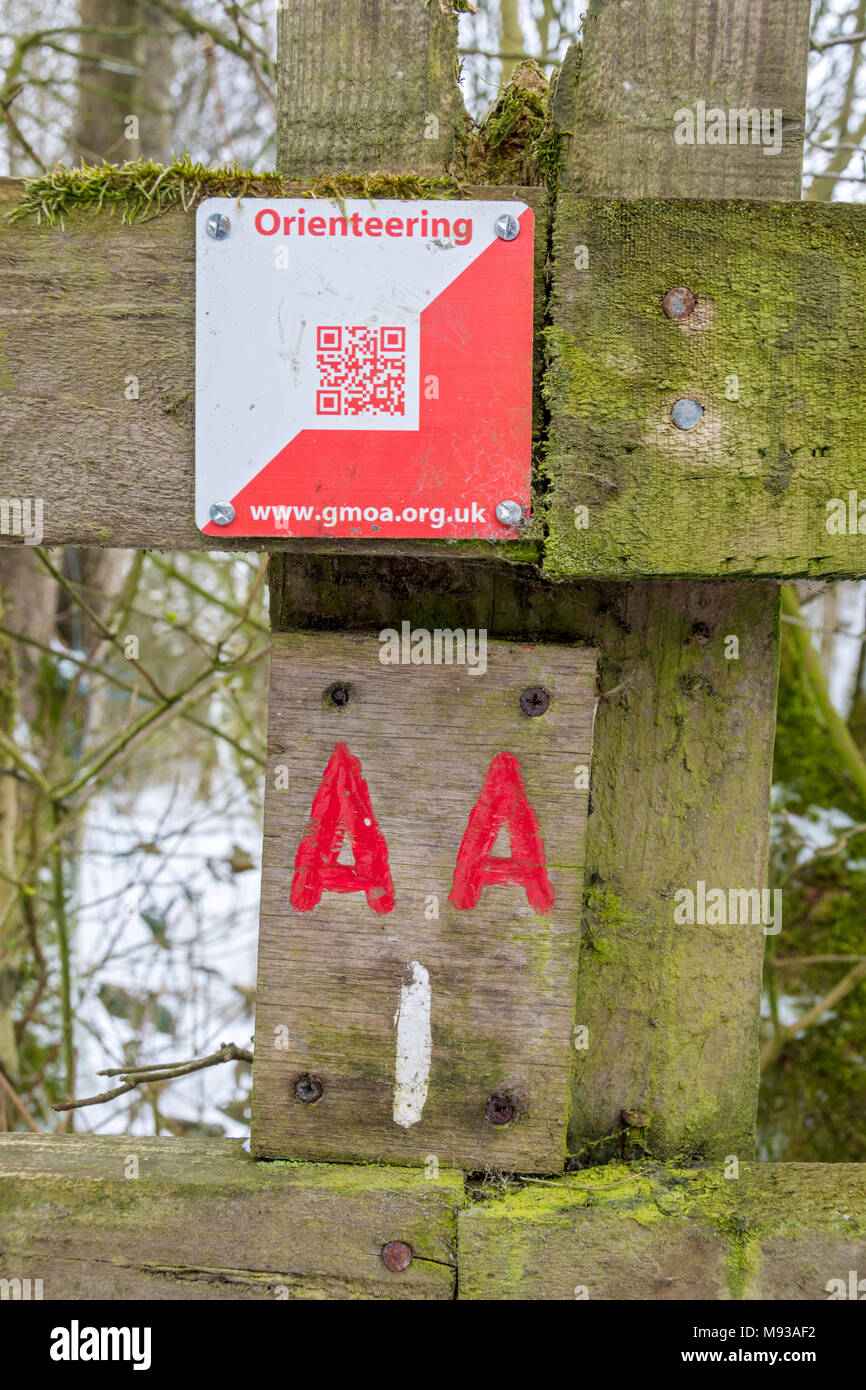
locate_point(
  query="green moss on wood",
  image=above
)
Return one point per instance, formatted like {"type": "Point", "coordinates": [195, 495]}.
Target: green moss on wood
{"type": "Point", "coordinates": [771, 352]}
{"type": "Point", "coordinates": [142, 189]}
{"type": "Point", "coordinates": [651, 1225]}
{"type": "Point", "coordinates": [516, 142]}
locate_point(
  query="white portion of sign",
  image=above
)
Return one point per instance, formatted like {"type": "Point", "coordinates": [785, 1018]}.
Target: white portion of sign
{"type": "Point", "coordinates": [414, 1047]}
{"type": "Point", "coordinates": [299, 284]}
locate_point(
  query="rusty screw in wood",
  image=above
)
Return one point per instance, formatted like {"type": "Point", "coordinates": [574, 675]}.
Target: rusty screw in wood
{"type": "Point", "coordinates": [396, 1255]}
{"type": "Point", "coordinates": [308, 1088]}
{"type": "Point", "coordinates": [630, 1120]}
{"type": "Point", "coordinates": [534, 700]}
{"type": "Point", "coordinates": [500, 1109]}
{"type": "Point", "coordinates": [338, 694]}
{"type": "Point", "coordinates": [634, 1119]}
{"type": "Point", "coordinates": [678, 303]}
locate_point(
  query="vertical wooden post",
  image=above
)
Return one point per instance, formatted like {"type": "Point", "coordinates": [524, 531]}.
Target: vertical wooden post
{"type": "Point", "coordinates": [364, 87]}
{"type": "Point", "coordinates": [683, 747]}
{"type": "Point", "coordinates": [683, 756]}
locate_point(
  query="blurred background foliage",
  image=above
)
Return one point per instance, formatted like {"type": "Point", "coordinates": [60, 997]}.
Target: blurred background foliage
{"type": "Point", "coordinates": [133, 700]}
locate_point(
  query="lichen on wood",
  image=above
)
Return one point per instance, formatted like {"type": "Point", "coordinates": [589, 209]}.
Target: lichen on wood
{"type": "Point", "coordinates": [667, 1231]}
{"type": "Point", "coordinates": [771, 354]}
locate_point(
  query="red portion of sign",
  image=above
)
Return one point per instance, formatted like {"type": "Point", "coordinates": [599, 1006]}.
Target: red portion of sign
{"type": "Point", "coordinates": [342, 805]}
{"type": "Point", "coordinates": [471, 449]}
{"type": "Point", "coordinates": [503, 801]}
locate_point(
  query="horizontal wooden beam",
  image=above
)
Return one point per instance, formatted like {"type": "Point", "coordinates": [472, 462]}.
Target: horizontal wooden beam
{"type": "Point", "coordinates": [123, 1217]}
{"type": "Point", "coordinates": [84, 308]}
{"type": "Point", "coordinates": [766, 483]}
{"type": "Point", "coordinates": [765, 1231]}
{"type": "Point", "coordinates": [772, 354]}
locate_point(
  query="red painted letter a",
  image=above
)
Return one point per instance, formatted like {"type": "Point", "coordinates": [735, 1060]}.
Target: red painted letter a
{"type": "Point", "coordinates": [502, 801]}
{"type": "Point", "coordinates": [342, 804]}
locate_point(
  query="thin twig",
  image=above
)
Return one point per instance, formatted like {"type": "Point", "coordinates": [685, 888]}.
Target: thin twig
{"type": "Point", "coordinates": [771, 1049]}
{"type": "Point", "coordinates": [813, 960]}
{"type": "Point", "coordinates": [141, 1076]}
{"type": "Point", "coordinates": [834, 43]}
{"type": "Point", "coordinates": [61, 922]}
{"type": "Point", "coordinates": [18, 1102]}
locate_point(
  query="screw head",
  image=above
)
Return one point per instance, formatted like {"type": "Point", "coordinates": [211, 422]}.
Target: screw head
{"type": "Point", "coordinates": [308, 1088]}
{"type": "Point", "coordinates": [500, 1109]}
{"type": "Point", "coordinates": [634, 1119]}
{"type": "Point", "coordinates": [223, 513]}
{"type": "Point", "coordinates": [686, 413]}
{"type": "Point", "coordinates": [509, 513]}
{"type": "Point", "coordinates": [678, 303]}
{"type": "Point", "coordinates": [534, 701]}
{"type": "Point", "coordinates": [506, 226]}
{"type": "Point", "coordinates": [396, 1255]}
{"type": "Point", "coordinates": [218, 226]}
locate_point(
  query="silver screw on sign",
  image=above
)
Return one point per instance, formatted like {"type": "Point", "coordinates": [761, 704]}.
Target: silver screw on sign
{"type": "Point", "coordinates": [509, 513]}
{"type": "Point", "coordinates": [218, 226]}
{"type": "Point", "coordinates": [223, 513]}
{"type": "Point", "coordinates": [507, 226]}
{"type": "Point", "coordinates": [686, 413]}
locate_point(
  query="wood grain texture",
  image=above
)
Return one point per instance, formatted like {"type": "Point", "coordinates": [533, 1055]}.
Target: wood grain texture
{"type": "Point", "coordinates": [202, 1221]}
{"type": "Point", "coordinates": [682, 755]}
{"type": "Point", "coordinates": [502, 975]}
{"type": "Point", "coordinates": [81, 309]}
{"type": "Point", "coordinates": [643, 60]}
{"type": "Point", "coordinates": [778, 1231]}
{"type": "Point", "coordinates": [359, 83]}
{"type": "Point", "coordinates": [683, 741]}
{"type": "Point", "coordinates": [779, 325]}
{"type": "Point", "coordinates": [695, 758]}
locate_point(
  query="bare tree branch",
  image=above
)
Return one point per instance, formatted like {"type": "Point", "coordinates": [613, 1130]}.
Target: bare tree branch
{"type": "Point", "coordinates": [141, 1076]}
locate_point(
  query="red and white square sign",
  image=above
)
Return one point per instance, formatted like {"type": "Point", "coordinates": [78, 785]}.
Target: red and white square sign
{"type": "Point", "coordinates": [363, 369]}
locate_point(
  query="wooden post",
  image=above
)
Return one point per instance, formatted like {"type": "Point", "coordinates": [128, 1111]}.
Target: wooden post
{"type": "Point", "coordinates": [367, 87]}
{"type": "Point", "coordinates": [683, 745]}
{"type": "Point", "coordinates": [684, 748]}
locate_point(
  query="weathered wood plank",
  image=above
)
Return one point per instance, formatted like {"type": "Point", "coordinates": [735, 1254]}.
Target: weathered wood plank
{"type": "Point", "coordinates": [683, 740]}
{"type": "Point", "coordinates": [778, 1231]}
{"type": "Point", "coordinates": [682, 754]}
{"type": "Point", "coordinates": [644, 60]}
{"type": "Point", "coordinates": [682, 768]}
{"type": "Point", "coordinates": [771, 352]}
{"type": "Point", "coordinates": [367, 87]}
{"type": "Point", "coordinates": [201, 1220]}
{"type": "Point", "coordinates": [82, 310]}
{"type": "Point", "coordinates": [490, 987]}
{"type": "Point", "coordinates": [745, 492]}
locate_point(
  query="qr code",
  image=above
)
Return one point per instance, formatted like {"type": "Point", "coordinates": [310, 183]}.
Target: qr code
{"type": "Point", "coordinates": [362, 371]}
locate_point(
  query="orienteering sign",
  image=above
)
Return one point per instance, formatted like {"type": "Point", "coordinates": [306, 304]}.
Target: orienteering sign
{"type": "Point", "coordinates": [363, 369]}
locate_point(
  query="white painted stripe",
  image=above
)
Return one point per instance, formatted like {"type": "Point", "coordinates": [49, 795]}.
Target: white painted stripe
{"type": "Point", "coordinates": [414, 1045]}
